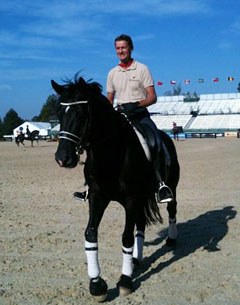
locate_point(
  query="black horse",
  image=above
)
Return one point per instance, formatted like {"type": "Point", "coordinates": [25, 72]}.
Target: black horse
{"type": "Point", "coordinates": [116, 169]}
{"type": "Point", "coordinates": [31, 136]}
{"type": "Point", "coordinates": [176, 130]}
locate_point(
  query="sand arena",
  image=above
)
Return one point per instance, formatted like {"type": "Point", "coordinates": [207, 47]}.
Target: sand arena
{"type": "Point", "coordinates": [42, 258]}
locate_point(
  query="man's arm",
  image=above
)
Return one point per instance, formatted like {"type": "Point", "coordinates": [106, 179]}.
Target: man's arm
{"type": "Point", "coordinates": [151, 97]}
{"type": "Point", "coordinates": [110, 96]}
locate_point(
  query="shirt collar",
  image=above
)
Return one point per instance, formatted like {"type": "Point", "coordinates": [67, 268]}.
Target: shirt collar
{"type": "Point", "coordinates": [131, 67]}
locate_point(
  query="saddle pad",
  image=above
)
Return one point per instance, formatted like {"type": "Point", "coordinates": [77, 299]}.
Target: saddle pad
{"type": "Point", "coordinates": [144, 144]}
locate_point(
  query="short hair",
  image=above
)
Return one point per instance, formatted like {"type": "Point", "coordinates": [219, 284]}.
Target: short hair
{"type": "Point", "coordinates": [126, 38]}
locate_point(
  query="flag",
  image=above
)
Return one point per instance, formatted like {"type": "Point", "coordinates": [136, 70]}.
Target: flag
{"type": "Point", "coordinates": [215, 79]}
{"type": "Point", "coordinates": [201, 80]}
{"type": "Point", "coordinates": [159, 83]}
{"type": "Point", "coordinates": [230, 78]}
{"type": "Point", "coordinates": [186, 81]}
{"type": "Point", "coordinates": [173, 82]}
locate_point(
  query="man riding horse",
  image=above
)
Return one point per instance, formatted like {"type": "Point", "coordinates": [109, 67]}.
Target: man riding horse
{"type": "Point", "coordinates": [132, 85]}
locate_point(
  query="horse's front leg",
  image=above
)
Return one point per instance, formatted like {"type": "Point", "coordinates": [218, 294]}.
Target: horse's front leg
{"type": "Point", "coordinates": [125, 283]}
{"type": "Point", "coordinates": [98, 287]}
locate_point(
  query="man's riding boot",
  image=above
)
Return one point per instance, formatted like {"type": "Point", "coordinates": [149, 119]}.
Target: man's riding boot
{"type": "Point", "coordinates": [82, 196]}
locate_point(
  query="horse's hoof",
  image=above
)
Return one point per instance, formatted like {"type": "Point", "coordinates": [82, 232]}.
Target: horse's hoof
{"type": "Point", "coordinates": [170, 242]}
{"type": "Point", "coordinates": [125, 285]}
{"type": "Point", "coordinates": [98, 289]}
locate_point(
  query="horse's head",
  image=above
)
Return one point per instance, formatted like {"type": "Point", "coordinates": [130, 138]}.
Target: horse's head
{"type": "Point", "coordinates": [73, 113]}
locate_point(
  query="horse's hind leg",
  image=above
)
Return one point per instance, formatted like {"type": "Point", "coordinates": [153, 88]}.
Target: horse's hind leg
{"type": "Point", "coordinates": [172, 229]}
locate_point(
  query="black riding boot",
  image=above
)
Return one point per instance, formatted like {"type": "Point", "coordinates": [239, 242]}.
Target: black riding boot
{"type": "Point", "coordinates": [82, 196]}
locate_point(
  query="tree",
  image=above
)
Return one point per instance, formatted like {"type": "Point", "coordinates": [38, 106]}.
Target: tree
{"type": "Point", "coordinates": [11, 121]}
{"type": "Point", "coordinates": [1, 128]}
{"type": "Point", "coordinates": [176, 90]}
{"type": "Point", "coordinates": [48, 109]}
{"type": "Point", "coordinates": [238, 88]}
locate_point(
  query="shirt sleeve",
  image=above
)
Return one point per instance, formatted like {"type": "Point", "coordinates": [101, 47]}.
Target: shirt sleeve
{"type": "Point", "coordinates": [147, 78]}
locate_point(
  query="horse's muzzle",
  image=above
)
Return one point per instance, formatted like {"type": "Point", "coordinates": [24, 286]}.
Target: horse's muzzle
{"type": "Point", "coordinates": [68, 163]}
{"type": "Point", "coordinates": [66, 160]}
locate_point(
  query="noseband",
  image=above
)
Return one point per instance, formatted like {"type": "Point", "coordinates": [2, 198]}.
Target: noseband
{"type": "Point", "coordinates": [79, 141]}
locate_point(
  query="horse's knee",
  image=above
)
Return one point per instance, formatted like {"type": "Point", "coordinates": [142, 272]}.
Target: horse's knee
{"type": "Point", "coordinates": [91, 235]}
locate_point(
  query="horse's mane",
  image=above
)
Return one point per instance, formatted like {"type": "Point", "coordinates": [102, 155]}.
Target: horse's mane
{"type": "Point", "coordinates": [92, 85]}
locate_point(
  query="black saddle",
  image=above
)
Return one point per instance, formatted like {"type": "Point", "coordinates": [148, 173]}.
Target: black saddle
{"type": "Point", "coordinates": [134, 114]}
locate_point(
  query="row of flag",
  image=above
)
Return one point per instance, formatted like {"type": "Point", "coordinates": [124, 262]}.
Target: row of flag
{"type": "Point", "coordinates": [200, 80]}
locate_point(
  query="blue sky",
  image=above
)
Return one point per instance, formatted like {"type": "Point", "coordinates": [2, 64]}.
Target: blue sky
{"type": "Point", "coordinates": [178, 40]}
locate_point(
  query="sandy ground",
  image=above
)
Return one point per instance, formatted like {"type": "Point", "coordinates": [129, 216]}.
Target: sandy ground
{"type": "Point", "coordinates": [42, 259]}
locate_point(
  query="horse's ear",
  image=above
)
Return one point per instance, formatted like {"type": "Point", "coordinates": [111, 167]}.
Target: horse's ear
{"type": "Point", "coordinates": [81, 82]}
{"type": "Point", "coordinates": [58, 88]}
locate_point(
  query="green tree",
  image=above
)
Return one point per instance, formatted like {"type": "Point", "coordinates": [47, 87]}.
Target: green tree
{"type": "Point", "coordinates": [11, 121]}
{"type": "Point", "coordinates": [48, 109]}
{"type": "Point", "coordinates": [1, 128]}
{"type": "Point", "coordinates": [176, 90]}
{"type": "Point", "coordinates": [238, 88]}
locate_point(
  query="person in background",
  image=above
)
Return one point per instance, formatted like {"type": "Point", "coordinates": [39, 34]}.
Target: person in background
{"type": "Point", "coordinates": [27, 131]}
{"type": "Point", "coordinates": [131, 84]}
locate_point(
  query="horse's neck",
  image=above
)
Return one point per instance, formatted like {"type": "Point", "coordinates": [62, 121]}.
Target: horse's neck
{"type": "Point", "coordinates": [105, 122]}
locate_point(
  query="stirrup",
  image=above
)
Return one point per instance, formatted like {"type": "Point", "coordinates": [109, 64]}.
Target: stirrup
{"type": "Point", "coordinates": [167, 197]}
{"type": "Point", "coordinates": [161, 185]}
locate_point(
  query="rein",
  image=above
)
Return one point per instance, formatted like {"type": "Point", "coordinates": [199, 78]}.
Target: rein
{"type": "Point", "coordinates": [79, 141]}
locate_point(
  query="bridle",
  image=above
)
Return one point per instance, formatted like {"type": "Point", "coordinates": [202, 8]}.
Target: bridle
{"type": "Point", "coordinates": [80, 142]}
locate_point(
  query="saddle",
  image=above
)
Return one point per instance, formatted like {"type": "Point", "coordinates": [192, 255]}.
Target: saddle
{"type": "Point", "coordinates": [145, 134]}
{"type": "Point", "coordinates": [149, 137]}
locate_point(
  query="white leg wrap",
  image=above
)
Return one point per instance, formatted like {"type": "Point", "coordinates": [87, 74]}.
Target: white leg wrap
{"type": "Point", "coordinates": [172, 229]}
{"type": "Point", "coordinates": [138, 245]}
{"type": "Point", "coordinates": [91, 250]}
{"type": "Point", "coordinates": [127, 266]}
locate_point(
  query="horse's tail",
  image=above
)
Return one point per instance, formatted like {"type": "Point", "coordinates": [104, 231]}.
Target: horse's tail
{"type": "Point", "coordinates": [152, 212]}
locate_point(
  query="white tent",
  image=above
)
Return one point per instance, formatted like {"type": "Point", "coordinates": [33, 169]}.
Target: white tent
{"type": "Point", "coordinates": [42, 127]}
{"type": "Point", "coordinates": [56, 128]}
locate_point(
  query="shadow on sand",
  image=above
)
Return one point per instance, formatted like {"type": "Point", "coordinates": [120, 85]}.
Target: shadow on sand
{"type": "Point", "coordinates": [205, 232]}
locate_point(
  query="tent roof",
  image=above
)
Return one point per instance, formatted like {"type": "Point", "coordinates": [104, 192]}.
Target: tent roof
{"type": "Point", "coordinates": [37, 125]}
{"type": "Point", "coordinates": [41, 125]}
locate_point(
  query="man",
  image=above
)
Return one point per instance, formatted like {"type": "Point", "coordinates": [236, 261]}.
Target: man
{"type": "Point", "coordinates": [130, 83]}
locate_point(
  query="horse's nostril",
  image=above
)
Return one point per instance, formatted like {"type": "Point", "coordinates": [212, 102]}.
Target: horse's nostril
{"type": "Point", "coordinates": [59, 162]}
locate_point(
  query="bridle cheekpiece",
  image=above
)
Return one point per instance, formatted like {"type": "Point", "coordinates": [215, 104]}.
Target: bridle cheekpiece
{"type": "Point", "coordinates": [70, 136]}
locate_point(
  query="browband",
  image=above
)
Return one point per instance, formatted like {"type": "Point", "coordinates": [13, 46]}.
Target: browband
{"type": "Point", "coordinates": [74, 103]}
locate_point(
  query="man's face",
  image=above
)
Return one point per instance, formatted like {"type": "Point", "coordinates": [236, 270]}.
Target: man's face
{"type": "Point", "coordinates": [123, 50]}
